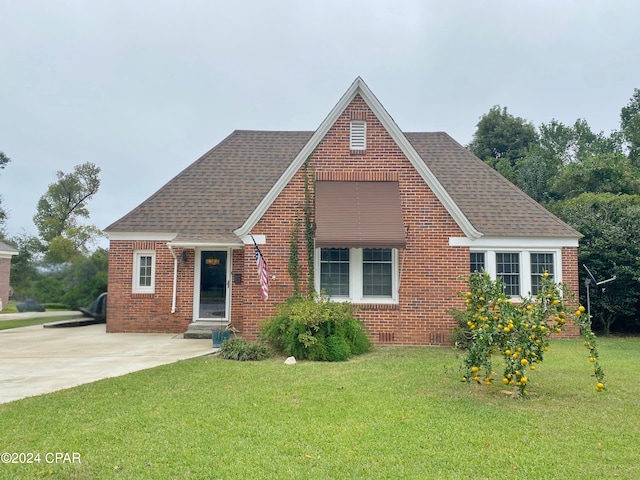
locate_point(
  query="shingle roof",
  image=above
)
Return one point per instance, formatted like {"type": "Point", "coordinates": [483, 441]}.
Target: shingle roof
{"type": "Point", "coordinates": [4, 248]}
{"type": "Point", "coordinates": [214, 196]}
{"type": "Point", "coordinates": [492, 204]}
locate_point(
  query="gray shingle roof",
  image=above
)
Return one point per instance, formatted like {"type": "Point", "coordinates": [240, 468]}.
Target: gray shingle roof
{"type": "Point", "coordinates": [492, 204]}
{"type": "Point", "coordinates": [214, 196]}
{"type": "Point", "coordinates": [5, 248]}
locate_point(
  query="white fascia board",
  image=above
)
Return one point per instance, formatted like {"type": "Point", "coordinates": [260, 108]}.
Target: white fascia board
{"type": "Point", "coordinates": [7, 254]}
{"type": "Point", "coordinates": [358, 86]}
{"type": "Point", "coordinates": [148, 236]}
{"type": "Point", "coordinates": [518, 243]}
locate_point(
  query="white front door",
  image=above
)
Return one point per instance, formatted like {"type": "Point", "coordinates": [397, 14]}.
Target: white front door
{"type": "Point", "coordinates": [212, 286]}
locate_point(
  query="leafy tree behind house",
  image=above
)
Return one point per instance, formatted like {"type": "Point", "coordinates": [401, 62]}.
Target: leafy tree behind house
{"type": "Point", "coordinates": [610, 224]}
{"type": "Point", "coordinates": [4, 160]}
{"type": "Point", "coordinates": [502, 139]}
{"type": "Point", "coordinates": [59, 266]}
{"type": "Point", "coordinates": [630, 127]}
{"type": "Point", "coordinates": [590, 180]}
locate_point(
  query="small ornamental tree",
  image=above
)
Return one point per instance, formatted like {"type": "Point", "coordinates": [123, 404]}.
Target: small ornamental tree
{"type": "Point", "coordinates": [519, 332]}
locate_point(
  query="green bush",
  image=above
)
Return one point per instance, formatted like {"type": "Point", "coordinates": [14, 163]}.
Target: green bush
{"type": "Point", "coordinates": [56, 306]}
{"type": "Point", "coordinates": [316, 328]}
{"type": "Point", "coordinates": [239, 349]}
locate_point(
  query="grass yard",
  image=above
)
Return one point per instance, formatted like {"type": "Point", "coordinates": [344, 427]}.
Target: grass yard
{"type": "Point", "coordinates": [395, 413]}
{"type": "Point", "coordinates": [27, 322]}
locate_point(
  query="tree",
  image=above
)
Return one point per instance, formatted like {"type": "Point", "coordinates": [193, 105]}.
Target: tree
{"type": "Point", "coordinates": [23, 265]}
{"type": "Point", "coordinates": [611, 246]}
{"type": "Point", "coordinates": [536, 172]}
{"type": "Point", "coordinates": [4, 160]}
{"type": "Point", "coordinates": [600, 173]}
{"type": "Point", "coordinates": [630, 125]}
{"type": "Point", "coordinates": [501, 139]}
{"type": "Point", "coordinates": [64, 203]}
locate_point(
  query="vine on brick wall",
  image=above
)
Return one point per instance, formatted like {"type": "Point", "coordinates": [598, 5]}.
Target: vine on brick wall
{"type": "Point", "coordinates": [294, 257]}
{"type": "Point", "coordinates": [309, 221]}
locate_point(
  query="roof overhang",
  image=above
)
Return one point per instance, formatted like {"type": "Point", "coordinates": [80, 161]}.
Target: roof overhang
{"type": "Point", "coordinates": [359, 87]}
{"type": "Point", "coordinates": [514, 242]}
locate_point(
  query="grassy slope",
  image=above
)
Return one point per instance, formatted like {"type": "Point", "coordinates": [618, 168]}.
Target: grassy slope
{"type": "Point", "coordinates": [26, 322]}
{"type": "Point", "coordinates": [395, 413]}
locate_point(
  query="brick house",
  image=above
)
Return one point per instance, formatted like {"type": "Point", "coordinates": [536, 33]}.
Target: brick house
{"type": "Point", "coordinates": [6, 252]}
{"type": "Point", "coordinates": [400, 219]}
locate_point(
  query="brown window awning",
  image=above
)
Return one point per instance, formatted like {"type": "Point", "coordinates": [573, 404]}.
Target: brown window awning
{"type": "Point", "coordinates": [359, 215]}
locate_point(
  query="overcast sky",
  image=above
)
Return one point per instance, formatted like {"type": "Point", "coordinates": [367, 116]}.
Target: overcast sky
{"type": "Point", "coordinates": [144, 88]}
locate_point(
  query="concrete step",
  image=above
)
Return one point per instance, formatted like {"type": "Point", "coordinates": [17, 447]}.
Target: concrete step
{"type": "Point", "coordinates": [199, 330]}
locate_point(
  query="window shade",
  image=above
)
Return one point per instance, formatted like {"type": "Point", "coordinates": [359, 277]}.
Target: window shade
{"type": "Point", "coordinates": [359, 215]}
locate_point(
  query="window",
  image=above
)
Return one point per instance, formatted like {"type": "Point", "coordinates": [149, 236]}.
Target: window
{"type": "Point", "coordinates": [376, 272]}
{"type": "Point", "coordinates": [508, 268]}
{"type": "Point", "coordinates": [358, 135]}
{"type": "Point", "coordinates": [144, 266]}
{"type": "Point", "coordinates": [520, 270]}
{"type": "Point", "coordinates": [540, 263]}
{"type": "Point", "coordinates": [359, 274]}
{"type": "Point", "coordinates": [334, 271]}
{"type": "Point", "coordinates": [476, 260]}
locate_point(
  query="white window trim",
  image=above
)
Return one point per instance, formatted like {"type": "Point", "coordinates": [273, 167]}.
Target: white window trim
{"type": "Point", "coordinates": [525, 265]}
{"type": "Point", "coordinates": [136, 287]}
{"type": "Point", "coordinates": [358, 136]}
{"type": "Point", "coordinates": [355, 279]}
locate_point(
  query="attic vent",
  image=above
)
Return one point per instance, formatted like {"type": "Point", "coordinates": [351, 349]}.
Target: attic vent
{"type": "Point", "coordinates": [358, 135]}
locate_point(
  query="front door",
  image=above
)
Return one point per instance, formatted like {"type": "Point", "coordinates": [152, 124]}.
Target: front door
{"type": "Point", "coordinates": [212, 298]}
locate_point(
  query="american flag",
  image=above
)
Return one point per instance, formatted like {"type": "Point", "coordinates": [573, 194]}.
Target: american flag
{"type": "Point", "coordinates": [263, 272]}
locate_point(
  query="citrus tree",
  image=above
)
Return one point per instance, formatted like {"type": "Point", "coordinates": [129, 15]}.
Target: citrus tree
{"type": "Point", "coordinates": [493, 324]}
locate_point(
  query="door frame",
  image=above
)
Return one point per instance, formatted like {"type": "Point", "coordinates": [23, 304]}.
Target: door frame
{"type": "Point", "coordinates": [196, 286]}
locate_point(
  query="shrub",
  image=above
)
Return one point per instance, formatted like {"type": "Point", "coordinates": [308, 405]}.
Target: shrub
{"type": "Point", "coordinates": [56, 306]}
{"type": "Point", "coordinates": [239, 349]}
{"type": "Point", "coordinates": [316, 328]}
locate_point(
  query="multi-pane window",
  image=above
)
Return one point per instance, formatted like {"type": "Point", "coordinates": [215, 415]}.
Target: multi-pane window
{"type": "Point", "coordinates": [334, 271]}
{"type": "Point", "coordinates": [358, 274]}
{"type": "Point", "coordinates": [508, 268]}
{"type": "Point", "coordinates": [376, 272]}
{"type": "Point", "coordinates": [144, 272]}
{"type": "Point", "coordinates": [477, 262]}
{"type": "Point", "coordinates": [540, 263]}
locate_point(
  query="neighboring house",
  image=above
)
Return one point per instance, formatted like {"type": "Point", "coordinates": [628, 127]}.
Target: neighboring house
{"type": "Point", "coordinates": [400, 218]}
{"type": "Point", "coordinates": [6, 252]}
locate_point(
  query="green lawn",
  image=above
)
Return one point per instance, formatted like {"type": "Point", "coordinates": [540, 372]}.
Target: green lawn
{"type": "Point", "coordinates": [395, 413]}
{"type": "Point", "coordinates": [27, 322]}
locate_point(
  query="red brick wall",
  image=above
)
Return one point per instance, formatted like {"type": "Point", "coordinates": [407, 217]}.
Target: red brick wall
{"type": "Point", "coordinates": [570, 277]}
{"type": "Point", "coordinates": [431, 268]}
{"type": "Point", "coordinates": [5, 272]}
{"type": "Point", "coordinates": [135, 312]}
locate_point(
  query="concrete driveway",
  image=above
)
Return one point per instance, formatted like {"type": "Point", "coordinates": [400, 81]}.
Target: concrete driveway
{"type": "Point", "coordinates": [36, 360]}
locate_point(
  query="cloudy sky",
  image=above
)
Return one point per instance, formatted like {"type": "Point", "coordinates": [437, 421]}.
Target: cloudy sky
{"type": "Point", "coordinates": [143, 88]}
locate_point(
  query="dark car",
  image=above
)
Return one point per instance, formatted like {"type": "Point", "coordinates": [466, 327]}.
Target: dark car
{"type": "Point", "coordinates": [30, 305]}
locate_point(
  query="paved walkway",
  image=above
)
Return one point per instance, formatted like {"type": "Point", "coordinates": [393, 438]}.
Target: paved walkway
{"type": "Point", "coordinates": [36, 360]}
